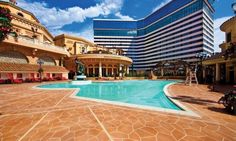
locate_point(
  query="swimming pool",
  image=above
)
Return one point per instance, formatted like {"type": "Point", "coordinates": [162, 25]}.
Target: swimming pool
{"type": "Point", "coordinates": [138, 92]}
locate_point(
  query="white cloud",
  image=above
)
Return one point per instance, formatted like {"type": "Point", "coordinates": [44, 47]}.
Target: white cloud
{"type": "Point", "coordinates": [219, 36]}
{"type": "Point", "coordinates": [86, 33]}
{"type": "Point", "coordinates": [161, 5]}
{"type": "Point", "coordinates": [123, 17]}
{"type": "Point", "coordinates": [55, 18]}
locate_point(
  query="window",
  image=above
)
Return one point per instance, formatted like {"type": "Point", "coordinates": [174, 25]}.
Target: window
{"type": "Point", "coordinates": [228, 37]}
{"type": "Point", "coordinates": [20, 14]}
{"type": "Point", "coordinates": [83, 50]}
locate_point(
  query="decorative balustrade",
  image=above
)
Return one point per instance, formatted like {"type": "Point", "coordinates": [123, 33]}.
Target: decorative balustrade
{"type": "Point", "coordinates": [37, 44]}
{"type": "Point", "coordinates": [41, 44]}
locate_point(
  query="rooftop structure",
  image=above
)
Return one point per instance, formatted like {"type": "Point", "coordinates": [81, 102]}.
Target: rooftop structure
{"type": "Point", "coordinates": [31, 41]}
{"type": "Point", "coordinates": [221, 67]}
{"type": "Point", "coordinates": [99, 61]}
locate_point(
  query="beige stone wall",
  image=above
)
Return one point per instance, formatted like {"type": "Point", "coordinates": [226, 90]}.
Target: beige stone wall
{"type": "Point", "coordinates": [16, 10]}
{"type": "Point", "coordinates": [76, 45]}
{"type": "Point", "coordinates": [229, 26]}
{"type": "Point", "coordinates": [30, 54]}
{"type": "Point", "coordinates": [73, 44]}
{"type": "Point", "coordinates": [23, 24]}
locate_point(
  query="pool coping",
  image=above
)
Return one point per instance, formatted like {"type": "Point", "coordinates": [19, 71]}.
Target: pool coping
{"type": "Point", "coordinates": [184, 112]}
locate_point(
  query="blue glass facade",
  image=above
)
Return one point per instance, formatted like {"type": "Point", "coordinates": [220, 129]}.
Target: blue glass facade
{"type": "Point", "coordinates": [169, 27]}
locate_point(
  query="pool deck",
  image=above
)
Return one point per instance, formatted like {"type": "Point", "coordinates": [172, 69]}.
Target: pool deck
{"type": "Point", "coordinates": [36, 114]}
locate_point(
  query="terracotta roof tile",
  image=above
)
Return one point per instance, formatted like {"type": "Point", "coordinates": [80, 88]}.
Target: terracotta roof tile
{"type": "Point", "coordinates": [12, 67]}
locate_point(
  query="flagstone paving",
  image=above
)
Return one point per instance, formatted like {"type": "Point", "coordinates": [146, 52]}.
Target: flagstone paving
{"type": "Point", "coordinates": [29, 114]}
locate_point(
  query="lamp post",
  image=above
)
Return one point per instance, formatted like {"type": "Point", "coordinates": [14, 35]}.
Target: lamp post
{"type": "Point", "coordinates": [40, 62]}
{"type": "Point", "coordinates": [76, 67]}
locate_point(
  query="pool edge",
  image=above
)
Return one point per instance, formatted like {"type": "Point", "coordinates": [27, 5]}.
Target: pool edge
{"type": "Point", "coordinates": [184, 112]}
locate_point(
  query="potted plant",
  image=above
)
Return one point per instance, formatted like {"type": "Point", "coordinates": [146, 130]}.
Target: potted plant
{"type": "Point", "coordinates": [229, 101]}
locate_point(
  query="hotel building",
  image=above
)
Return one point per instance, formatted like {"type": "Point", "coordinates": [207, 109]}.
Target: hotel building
{"type": "Point", "coordinates": [97, 60]}
{"type": "Point", "coordinates": [20, 52]}
{"type": "Point", "coordinates": [30, 41]}
{"type": "Point", "coordinates": [221, 67]}
{"type": "Point", "coordinates": [178, 30]}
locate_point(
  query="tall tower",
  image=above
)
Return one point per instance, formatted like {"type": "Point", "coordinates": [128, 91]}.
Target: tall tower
{"type": "Point", "coordinates": [179, 30]}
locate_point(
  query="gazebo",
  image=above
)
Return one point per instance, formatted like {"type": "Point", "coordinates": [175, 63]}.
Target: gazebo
{"type": "Point", "coordinates": [171, 69]}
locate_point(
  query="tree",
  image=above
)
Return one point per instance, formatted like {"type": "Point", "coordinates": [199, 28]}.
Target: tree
{"type": "Point", "coordinates": [5, 23]}
{"type": "Point", "coordinates": [230, 51]}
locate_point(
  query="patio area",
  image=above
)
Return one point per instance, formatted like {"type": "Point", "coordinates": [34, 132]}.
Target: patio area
{"type": "Point", "coordinates": [35, 114]}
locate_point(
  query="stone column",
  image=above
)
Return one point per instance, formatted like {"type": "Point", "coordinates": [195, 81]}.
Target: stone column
{"type": "Point", "coordinates": [93, 70]}
{"type": "Point", "coordinates": [235, 74]}
{"type": "Point", "coordinates": [127, 70]}
{"type": "Point", "coordinates": [100, 69]}
{"type": "Point", "coordinates": [204, 74]}
{"type": "Point", "coordinates": [227, 74]}
{"type": "Point", "coordinates": [217, 77]}
{"type": "Point", "coordinates": [162, 72]}
{"type": "Point", "coordinates": [106, 71]}
{"type": "Point", "coordinates": [112, 71]}
{"type": "Point", "coordinates": [87, 71]}
{"type": "Point", "coordinates": [120, 69]}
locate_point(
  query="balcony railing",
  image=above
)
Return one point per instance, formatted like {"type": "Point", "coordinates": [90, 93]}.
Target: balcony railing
{"type": "Point", "coordinates": [35, 43]}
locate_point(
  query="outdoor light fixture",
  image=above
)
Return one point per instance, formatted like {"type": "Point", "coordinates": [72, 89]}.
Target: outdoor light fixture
{"type": "Point", "coordinates": [40, 62]}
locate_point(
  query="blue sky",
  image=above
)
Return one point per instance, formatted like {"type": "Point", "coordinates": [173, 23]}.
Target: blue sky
{"type": "Point", "coordinates": [75, 16]}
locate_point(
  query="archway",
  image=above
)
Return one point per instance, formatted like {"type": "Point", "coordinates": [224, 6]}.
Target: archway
{"type": "Point", "coordinates": [13, 57]}
{"type": "Point", "coordinates": [48, 60]}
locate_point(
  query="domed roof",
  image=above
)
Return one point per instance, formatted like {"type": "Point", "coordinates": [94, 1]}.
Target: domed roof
{"type": "Point", "coordinates": [228, 23]}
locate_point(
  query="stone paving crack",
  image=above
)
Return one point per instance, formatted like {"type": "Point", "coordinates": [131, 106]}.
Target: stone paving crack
{"type": "Point", "coordinates": [102, 126]}
{"type": "Point", "coordinates": [37, 123]}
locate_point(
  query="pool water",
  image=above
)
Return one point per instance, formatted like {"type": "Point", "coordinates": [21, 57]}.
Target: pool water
{"type": "Point", "coordinates": [142, 92]}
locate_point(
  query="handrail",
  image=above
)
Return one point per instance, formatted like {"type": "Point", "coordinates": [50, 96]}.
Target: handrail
{"type": "Point", "coordinates": [38, 44]}
{"type": "Point", "coordinates": [42, 44]}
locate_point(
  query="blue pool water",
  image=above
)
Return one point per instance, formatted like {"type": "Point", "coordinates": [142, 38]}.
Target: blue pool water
{"type": "Point", "coordinates": [143, 92]}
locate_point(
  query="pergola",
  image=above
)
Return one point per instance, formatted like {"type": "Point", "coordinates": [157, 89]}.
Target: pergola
{"type": "Point", "coordinates": [171, 68]}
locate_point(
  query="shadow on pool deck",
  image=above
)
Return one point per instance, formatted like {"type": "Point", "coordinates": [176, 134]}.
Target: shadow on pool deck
{"type": "Point", "coordinates": [193, 100]}
{"type": "Point", "coordinates": [218, 110]}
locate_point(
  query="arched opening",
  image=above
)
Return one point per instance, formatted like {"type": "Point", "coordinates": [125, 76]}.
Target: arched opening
{"type": "Point", "coordinates": [13, 57]}
{"type": "Point", "coordinates": [104, 73]}
{"type": "Point", "coordinates": [20, 14]}
{"type": "Point", "coordinates": [48, 61]}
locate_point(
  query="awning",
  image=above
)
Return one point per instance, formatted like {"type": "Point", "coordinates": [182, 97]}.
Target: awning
{"type": "Point", "coordinates": [12, 67]}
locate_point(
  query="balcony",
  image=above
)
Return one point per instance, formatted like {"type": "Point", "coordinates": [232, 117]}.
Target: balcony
{"type": "Point", "coordinates": [35, 44]}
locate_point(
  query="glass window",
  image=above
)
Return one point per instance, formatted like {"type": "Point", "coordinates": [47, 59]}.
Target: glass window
{"type": "Point", "coordinates": [120, 28]}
